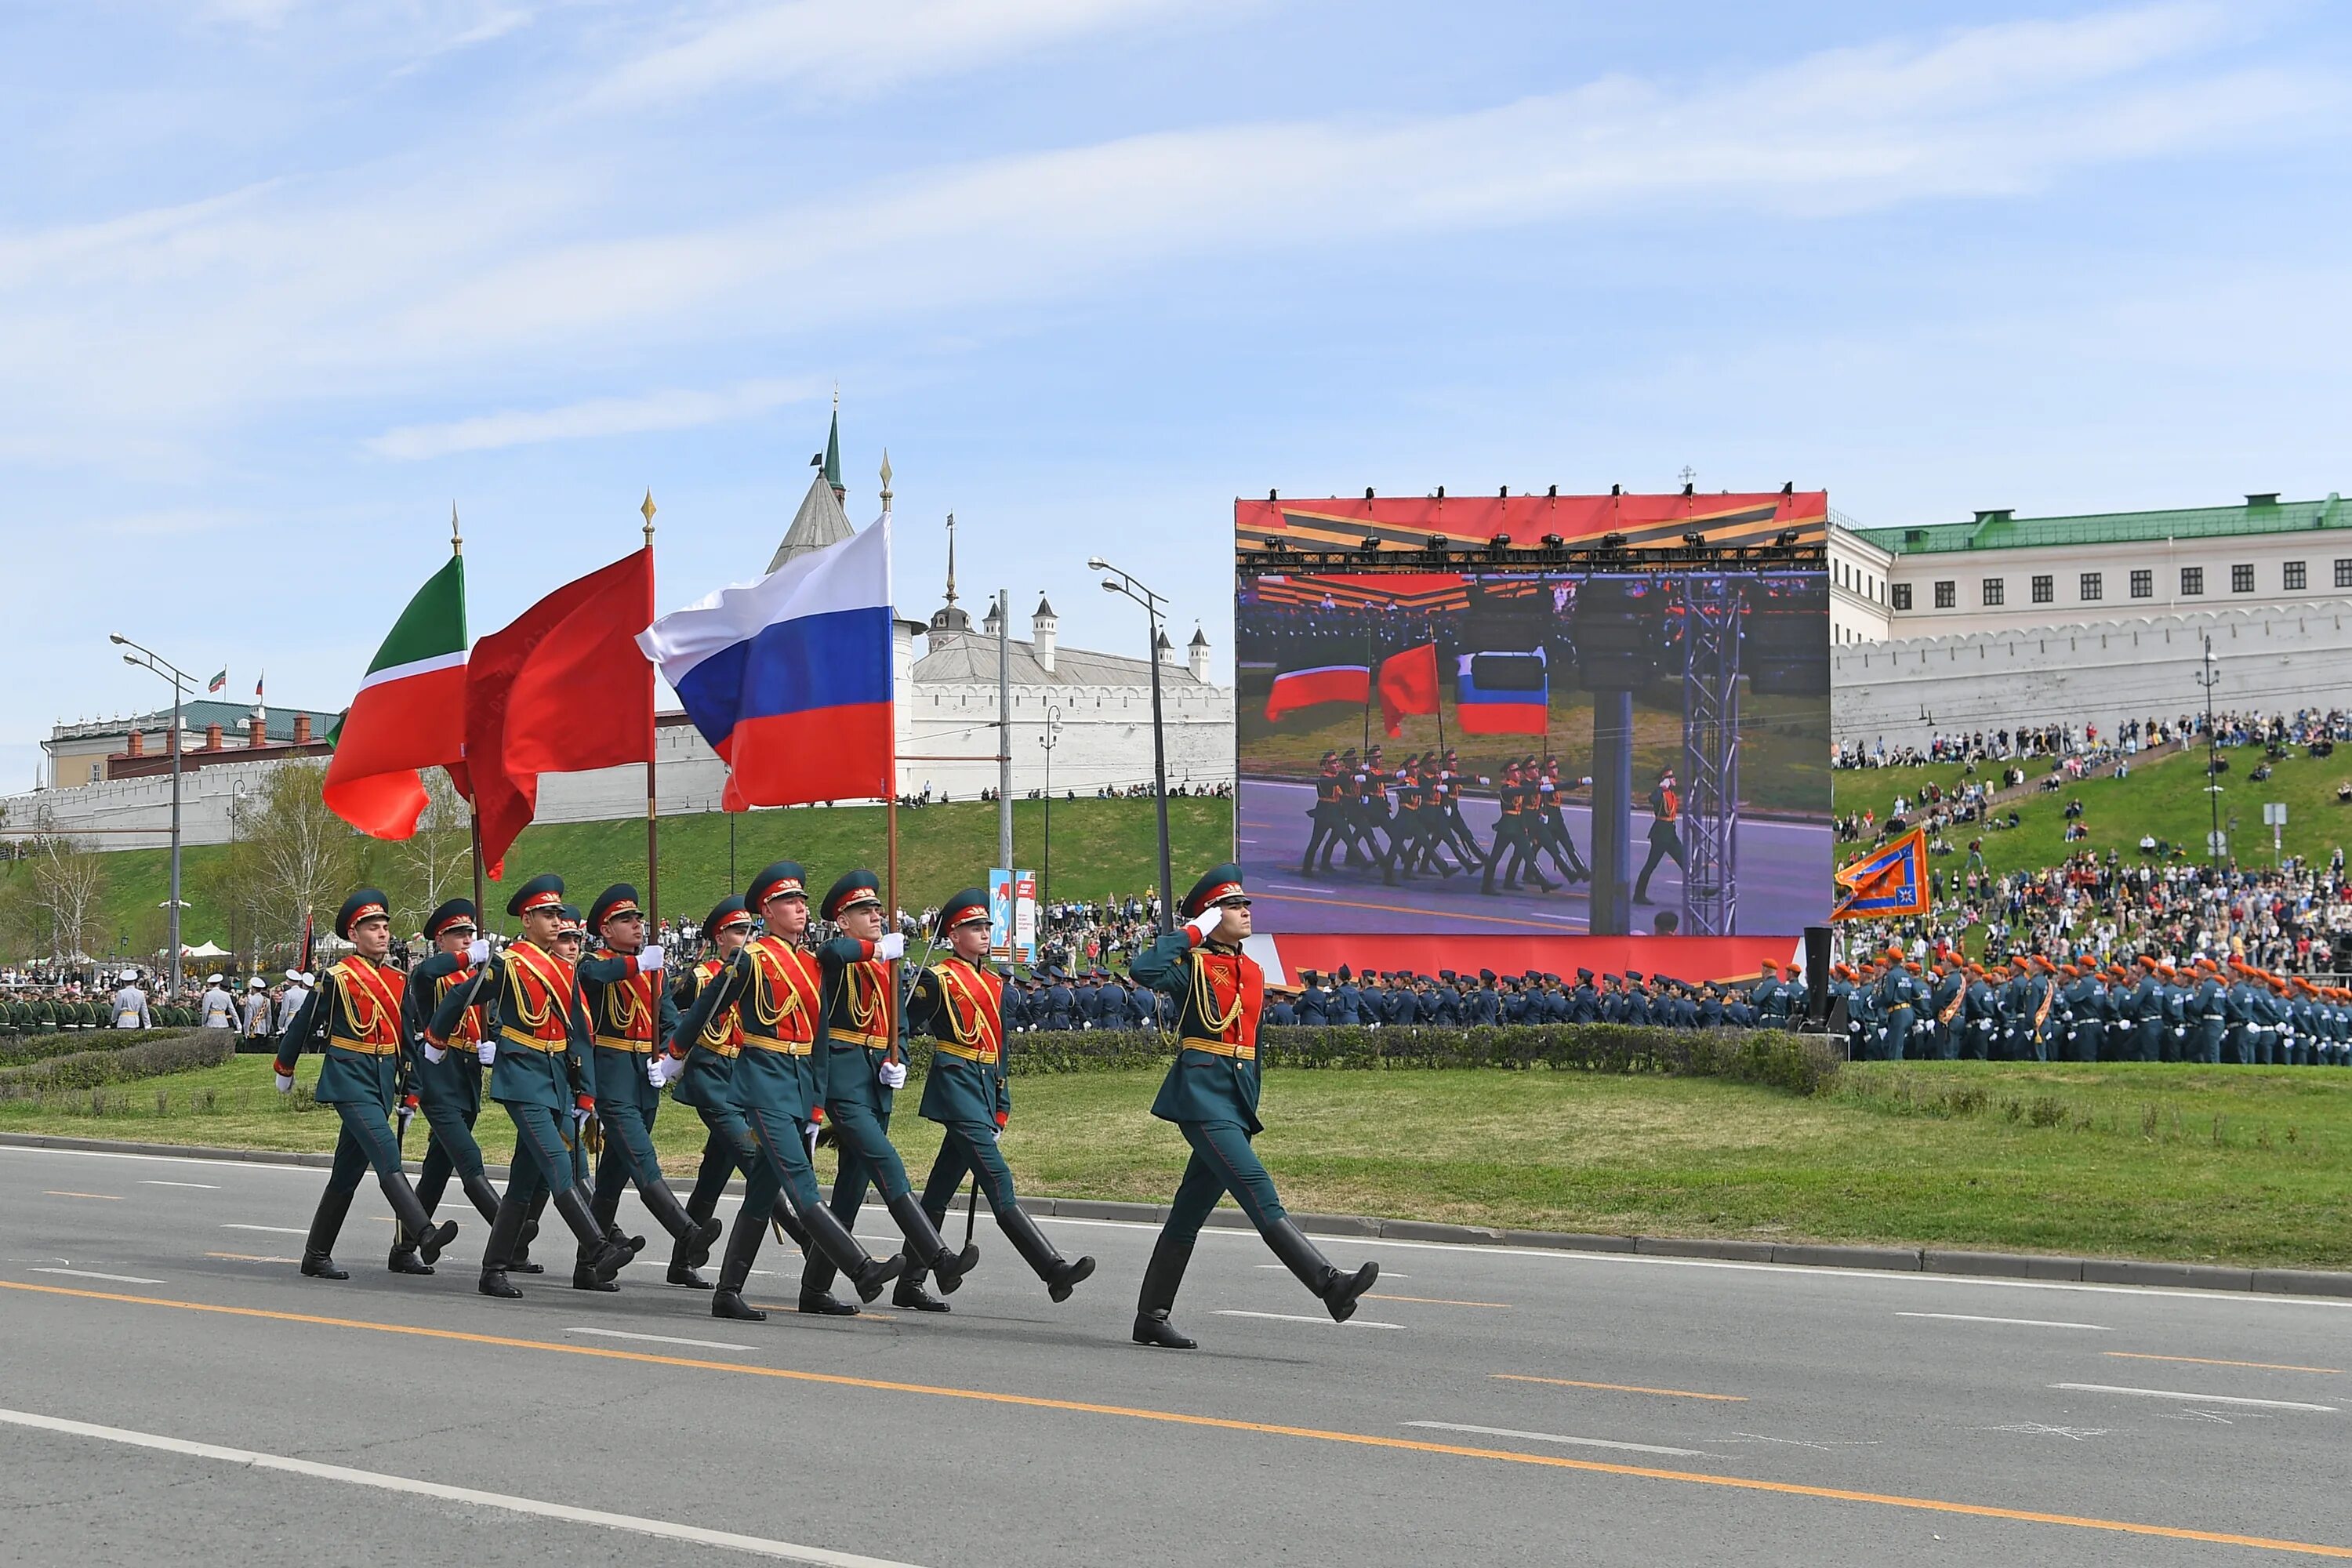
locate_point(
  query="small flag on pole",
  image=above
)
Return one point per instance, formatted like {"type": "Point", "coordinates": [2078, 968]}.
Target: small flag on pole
{"type": "Point", "coordinates": [1408, 685]}
{"type": "Point", "coordinates": [1296, 689]}
{"type": "Point", "coordinates": [1885, 882]}
{"type": "Point", "coordinates": [218, 683]}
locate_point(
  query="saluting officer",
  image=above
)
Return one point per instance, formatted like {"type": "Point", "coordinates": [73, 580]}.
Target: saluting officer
{"type": "Point", "coordinates": [632, 1018]}
{"type": "Point", "coordinates": [540, 1070]}
{"type": "Point", "coordinates": [1212, 1094]}
{"type": "Point", "coordinates": [447, 1079]}
{"type": "Point", "coordinates": [354, 1019]}
{"type": "Point", "coordinates": [776, 988]}
{"type": "Point", "coordinates": [958, 1003]}
{"type": "Point", "coordinates": [861, 1072]}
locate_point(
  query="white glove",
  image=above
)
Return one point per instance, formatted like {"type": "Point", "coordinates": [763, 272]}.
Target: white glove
{"type": "Point", "coordinates": [812, 1139]}
{"type": "Point", "coordinates": [435, 1053]}
{"type": "Point", "coordinates": [894, 1075]}
{"type": "Point", "coordinates": [891, 946]}
{"type": "Point", "coordinates": [284, 1083]}
{"type": "Point", "coordinates": [580, 1117]}
{"type": "Point", "coordinates": [649, 957]}
{"type": "Point", "coordinates": [654, 1074]}
{"type": "Point", "coordinates": [1207, 921]}
{"type": "Point", "coordinates": [487, 1053]}
{"type": "Point", "coordinates": [478, 951]}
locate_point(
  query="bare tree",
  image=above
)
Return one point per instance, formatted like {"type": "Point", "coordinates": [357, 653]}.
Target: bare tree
{"type": "Point", "coordinates": [68, 879]}
{"type": "Point", "coordinates": [437, 858]}
{"type": "Point", "coordinates": [297, 857]}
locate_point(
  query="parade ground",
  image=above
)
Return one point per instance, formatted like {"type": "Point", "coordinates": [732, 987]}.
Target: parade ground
{"type": "Point", "coordinates": [1784, 877]}
{"type": "Point", "coordinates": [179, 1392]}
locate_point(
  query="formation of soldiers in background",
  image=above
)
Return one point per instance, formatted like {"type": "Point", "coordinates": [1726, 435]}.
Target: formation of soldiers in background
{"type": "Point", "coordinates": [2086, 1010]}
{"type": "Point", "coordinates": [260, 1011]}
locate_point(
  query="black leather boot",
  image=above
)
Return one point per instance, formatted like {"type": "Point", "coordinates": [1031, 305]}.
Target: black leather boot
{"type": "Point", "coordinates": [1061, 1277]}
{"type": "Point", "coordinates": [412, 1218]}
{"type": "Point", "coordinates": [735, 1268]}
{"type": "Point", "coordinates": [506, 1231]}
{"type": "Point", "coordinates": [520, 1261]}
{"type": "Point", "coordinates": [325, 1226]}
{"type": "Point", "coordinates": [605, 1256]}
{"type": "Point", "coordinates": [483, 1196]}
{"type": "Point", "coordinates": [700, 1235]}
{"type": "Point", "coordinates": [404, 1258]}
{"type": "Point", "coordinates": [909, 1292]}
{"type": "Point", "coordinates": [867, 1274]}
{"type": "Point", "coordinates": [1161, 1278]}
{"type": "Point", "coordinates": [1337, 1291]}
{"type": "Point", "coordinates": [925, 1245]}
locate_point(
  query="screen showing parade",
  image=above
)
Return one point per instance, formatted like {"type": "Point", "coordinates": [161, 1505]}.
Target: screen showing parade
{"type": "Point", "coordinates": [1575, 738]}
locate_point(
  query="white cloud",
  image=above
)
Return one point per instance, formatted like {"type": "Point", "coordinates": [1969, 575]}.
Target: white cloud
{"type": "Point", "coordinates": [668, 410]}
{"type": "Point", "coordinates": [836, 49]}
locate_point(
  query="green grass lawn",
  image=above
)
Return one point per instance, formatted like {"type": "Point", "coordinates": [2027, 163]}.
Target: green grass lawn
{"type": "Point", "coordinates": [2246, 1165]}
{"type": "Point", "coordinates": [1099, 848]}
{"type": "Point", "coordinates": [2165, 798]}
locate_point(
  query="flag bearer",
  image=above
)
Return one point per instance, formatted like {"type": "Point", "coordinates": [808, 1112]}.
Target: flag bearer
{"type": "Point", "coordinates": [1211, 1094]}
{"type": "Point", "coordinates": [447, 1081]}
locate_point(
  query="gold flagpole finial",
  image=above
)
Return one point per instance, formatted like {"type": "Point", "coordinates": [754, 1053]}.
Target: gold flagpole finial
{"type": "Point", "coordinates": [649, 509]}
{"type": "Point", "coordinates": [456, 540]}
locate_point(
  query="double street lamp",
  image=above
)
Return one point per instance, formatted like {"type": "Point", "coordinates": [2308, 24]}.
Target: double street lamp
{"type": "Point", "coordinates": [1120, 582]}
{"type": "Point", "coordinates": [182, 682]}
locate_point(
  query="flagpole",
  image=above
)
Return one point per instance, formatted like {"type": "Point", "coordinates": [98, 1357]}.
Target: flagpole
{"type": "Point", "coordinates": [473, 816]}
{"type": "Point", "coordinates": [653, 800]}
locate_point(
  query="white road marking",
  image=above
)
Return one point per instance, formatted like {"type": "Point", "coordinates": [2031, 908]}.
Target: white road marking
{"type": "Point", "coordinates": [1302, 1318]}
{"type": "Point", "coordinates": [207, 1186]}
{"type": "Point", "coordinates": [757, 1546]}
{"type": "Point", "coordinates": [1385, 1273]}
{"type": "Point", "coordinates": [1557, 1438]}
{"type": "Point", "coordinates": [661, 1339]}
{"type": "Point", "coordinates": [94, 1274]}
{"type": "Point", "coordinates": [2194, 1398]}
{"type": "Point", "coordinates": [2020, 1323]}
{"type": "Point", "coordinates": [2036, 1429]}
{"type": "Point", "coordinates": [272, 1229]}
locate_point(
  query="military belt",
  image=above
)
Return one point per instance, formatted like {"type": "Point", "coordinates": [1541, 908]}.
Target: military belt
{"type": "Point", "coordinates": [782, 1047]}
{"type": "Point", "coordinates": [364, 1047]}
{"type": "Point", "coordinates": [721, 1048]}
{"type": "Point", "coordinates": [548, 1047]}
{"type": "Point", "coordinates": [968, 1053]}
{"type": "Point", "coordinates": [1221, 1047]}
{"type": "Point", "coordinates": [623, 1043]}
{"type": "Point", "coordinates": [872, 1042]}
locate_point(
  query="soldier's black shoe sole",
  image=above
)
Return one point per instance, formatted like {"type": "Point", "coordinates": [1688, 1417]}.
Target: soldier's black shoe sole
{"type": "Point", "coordinates": [1341, 1297]}
{"type": "Point", "coordinates": [1154, 1330]}
{"type": "Point", "coordinates": [406, 1262]}
{"type": "Point", "coordinates": [731, 1304]}
{"type": "Point", "coordinates": [321, 1266]}
{"type": "Point", "coordinates": [688, 1279]}
{"type": "Point", "coordinates": [914, 1298]}
{"type": "Point", "coordinates": [1069, 1277]}
{"type": "Point", "coordinates": [437, 1239]}
{"type": "Point", "coordinates": [495, 1283]}
{"type": "Point", "coordinates": [817, 1303]}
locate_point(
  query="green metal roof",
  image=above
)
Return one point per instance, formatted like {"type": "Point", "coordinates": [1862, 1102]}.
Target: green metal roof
{"type": "Point", "coordinates": [2004, 529]}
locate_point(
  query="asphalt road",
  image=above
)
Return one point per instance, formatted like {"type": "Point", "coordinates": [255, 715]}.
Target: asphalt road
{"type": "Point", "coordinates": [1487, 1406]}
{"type": "Point", "coordinates": [1784, 877]}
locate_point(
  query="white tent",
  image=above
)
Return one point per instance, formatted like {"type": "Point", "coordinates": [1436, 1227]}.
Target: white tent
{"type": "Point", "coordinates": [207, 951]}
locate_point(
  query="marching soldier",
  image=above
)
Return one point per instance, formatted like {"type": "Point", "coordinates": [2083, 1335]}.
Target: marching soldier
{"type": "Point", "coordinates": [1665, 834]}
{"type": "Point", "coordinates": [540, 1070]}
{"type": "Point", "coordinates": [447, 1081]}
{"type": "Point", "coordinates": [1551, 824]}
{"type": "Point", "coordinates": [958, 1003]}
{"type": "Point", "coordinates": [354, 1019]}
{"type": "Point", "coordinates": [1330, 805]}
{"type": "Point", "coordinates": [861, 1073]}
{"type": "Point", "coordinates": [776, 990]}
{"type": "Point", "coordinates": [632, 1018]}
{"type": "Point", "coordinates": [1212, 1095]}
{"type": "Point", "coordinates": [705, 1080]}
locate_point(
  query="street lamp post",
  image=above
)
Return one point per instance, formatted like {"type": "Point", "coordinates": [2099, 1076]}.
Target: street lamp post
{"type": "Point", "coordinates": [1125, 583]}
{"type": "Point", "coordinates": [146, 659]}
{"type": "Point", "coordinates": [1049, 740]}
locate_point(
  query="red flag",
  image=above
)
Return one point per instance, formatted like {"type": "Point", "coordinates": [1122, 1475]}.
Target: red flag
{"type": "Point", "coordinates": [1408, 685]}
{"type": "Point", "coordinates": [562, 690]}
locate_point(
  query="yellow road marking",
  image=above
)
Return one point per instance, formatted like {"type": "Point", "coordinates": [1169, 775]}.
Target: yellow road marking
{"type": "Point", "coordinates": [1224, 1424]}
{"type": "Point", "coordinates": [2204, 1360]}
{"type": "Point", "coordinates": [1442, 1301]}
{"type": "Point", "coordinates": [1623, 1387]}
{"type": "Point", "coordinates": [107, 1197]}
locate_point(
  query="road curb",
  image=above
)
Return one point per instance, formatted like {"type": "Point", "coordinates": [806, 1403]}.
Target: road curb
{"type": "Point", "coordinates": [1897, 1260]}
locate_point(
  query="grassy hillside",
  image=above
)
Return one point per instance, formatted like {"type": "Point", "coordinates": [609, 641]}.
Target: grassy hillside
{"type": "Point", "coordinates": [2165, 798]}
{"type": "Point", "coordinates": [1099, 848]}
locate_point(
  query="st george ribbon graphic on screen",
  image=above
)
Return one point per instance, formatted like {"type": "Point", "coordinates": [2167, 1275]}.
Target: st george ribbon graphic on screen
{"type": "Point", "coordinates": [1535, 715]}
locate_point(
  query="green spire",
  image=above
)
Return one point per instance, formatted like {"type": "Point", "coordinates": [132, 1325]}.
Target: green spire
{"type": "Point", "coordinates": [833, 448]}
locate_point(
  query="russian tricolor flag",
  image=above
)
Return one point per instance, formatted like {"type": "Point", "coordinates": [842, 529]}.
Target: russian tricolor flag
{"type": "Point", "coordinates": [1502, 693]}
{"type": "Point", "coordinates": [789, 678]}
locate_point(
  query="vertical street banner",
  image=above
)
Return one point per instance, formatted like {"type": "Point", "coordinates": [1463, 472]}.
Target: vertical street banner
{"type": "Point", "coordinates": [1013, 915]}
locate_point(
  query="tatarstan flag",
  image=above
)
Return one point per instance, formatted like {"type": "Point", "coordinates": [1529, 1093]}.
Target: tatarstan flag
{"type": "Point", "coordinates": [409, 714]}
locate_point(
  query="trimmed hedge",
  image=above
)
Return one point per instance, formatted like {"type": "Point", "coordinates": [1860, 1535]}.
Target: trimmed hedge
{"type": "Point", "coordinates": [181, 1050]}
{"type": "Point", "coordinates": [1802, 1064]}
{"type": "Point", "coordinates": [15, 1050]}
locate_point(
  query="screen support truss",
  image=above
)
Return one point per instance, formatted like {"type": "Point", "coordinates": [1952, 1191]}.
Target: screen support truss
{"type": "Point", "coordinates": [1712, 602]}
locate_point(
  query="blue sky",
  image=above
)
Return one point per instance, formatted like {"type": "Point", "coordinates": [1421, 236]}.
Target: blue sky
{"type": "Point", "coordinates": [281, 280]}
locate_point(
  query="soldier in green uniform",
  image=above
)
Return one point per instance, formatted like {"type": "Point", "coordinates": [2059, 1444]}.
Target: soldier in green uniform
{"type": "Point", "coordinates": [861, 1072]}
{"type": "Point", "coordinates": [961, 1004]}
{"type": "Point", "coordinates": [633, 1020]}
{"type": "Point", "coordinates": [776, 989]}
{"type": "Point", "coordinates": [446, 1081]}
{"type": "Point", "coordinates": [354, 1018]}
{"type": "Point", "coordinates": [540, 1070]}
{"type": "Point", "coordinates": [1211, 1094]}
